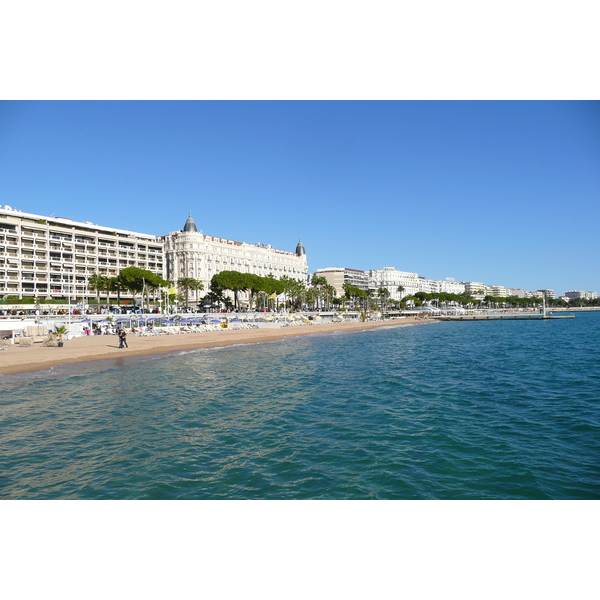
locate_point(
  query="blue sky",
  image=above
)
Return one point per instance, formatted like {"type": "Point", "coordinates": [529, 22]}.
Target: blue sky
{"type": "Point", "coordinates": [506, 193]}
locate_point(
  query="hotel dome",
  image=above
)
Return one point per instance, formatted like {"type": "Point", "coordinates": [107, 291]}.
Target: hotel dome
{"type": "Point", "coordinates": [190, 225]}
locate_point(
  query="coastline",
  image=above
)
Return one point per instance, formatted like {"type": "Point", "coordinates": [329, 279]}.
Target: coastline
{"type": "Point", "coordinates": [28, 359]}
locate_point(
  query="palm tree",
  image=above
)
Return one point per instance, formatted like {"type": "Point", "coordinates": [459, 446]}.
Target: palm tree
{"type": "Point", "coordinates": [101, 283]}
{"type": "Point", "coordinates": [60, 331]}
{"type": "Point", "coordinates": [318, 282]}
{"type": "Point", "coordinates": [330, 294]}
{"type": "Point", "coordinates": [116, 285]}
{"type": "Point", "coordinates": [384, 295]}
{"type": "Point", "coordinates": [189, 283]}
{"type": "Point", "coordinates": [96, 283]}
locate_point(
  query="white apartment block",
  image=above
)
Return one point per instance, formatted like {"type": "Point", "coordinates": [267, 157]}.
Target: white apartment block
{"type": "Point", "coordinates": [54, 257]}
{"type": "Point", "coordinates": [190, 253]}
{"type": "Point", "coordinates": [497, 291]}
{"type": "Point", "coordinates": [545, 293]}
{"type": "Point", "coordinates": [412, 283]}
{"type": "Point", "coordinates": [475, 288]}
{"type": "Point", "coordinates": [577, 294]}
{"type": "Point", "coordinates": [449, 286]}
{"type": "Point", "coordinates": [392, 279]}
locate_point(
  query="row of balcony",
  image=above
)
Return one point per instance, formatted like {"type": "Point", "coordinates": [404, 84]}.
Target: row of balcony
{"type": "Point", "coordinates": [69, 244]}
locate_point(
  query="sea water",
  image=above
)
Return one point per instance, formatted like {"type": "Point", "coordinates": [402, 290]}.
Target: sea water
{"type": "Point", "coordinates": [471, 410]}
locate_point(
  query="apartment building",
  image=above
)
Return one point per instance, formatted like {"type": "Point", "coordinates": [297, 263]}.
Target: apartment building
{"type": "Point", "coordinates": [338, 276]}
{"type": "Point", "coordinates": [497, 291]}
{"type": "Point", "coordinates": [54, 257]}
{"type": "Point", "coordinates": [411, 283]}
{"type": "Point", "coordinates": [450, 286]}
{"type": "Point", "coordinates": [392, 279]}
{"type": "Point", "coordinates": [190, 253]}
{"type": "Point", "coordinates": [475, 288]}
{"type": "Point", "coordinates": [518, 292]}
{"type": "Point", "coordinates": [578, 294]}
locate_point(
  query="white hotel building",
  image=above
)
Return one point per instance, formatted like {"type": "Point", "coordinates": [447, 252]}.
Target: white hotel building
{"type": "Point", "coordinates": [412, 283]}
{"type": "Point", "coordinates": [54, 257]}
{"type": "Point", "coordinates": [390, 278]}
{"type": "Point", "coordinates": [577, 294]}
{"type": "Point", "coordinates": [190, 253]}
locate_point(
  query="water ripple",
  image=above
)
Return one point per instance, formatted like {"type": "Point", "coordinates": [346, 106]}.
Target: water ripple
{"type": "Point", "coordinates": [447, 411]}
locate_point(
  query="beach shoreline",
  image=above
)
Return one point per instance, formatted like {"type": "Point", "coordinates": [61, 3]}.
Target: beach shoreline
{"type": "Point", "coordinates": [26, 359]}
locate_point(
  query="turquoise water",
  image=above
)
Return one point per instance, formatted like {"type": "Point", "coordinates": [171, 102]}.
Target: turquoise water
{"type": "Point", "coordinates": [499, 410]}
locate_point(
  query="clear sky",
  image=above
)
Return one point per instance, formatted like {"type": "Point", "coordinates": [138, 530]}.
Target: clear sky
{"type": "Point", "coordinates": [506, 193]}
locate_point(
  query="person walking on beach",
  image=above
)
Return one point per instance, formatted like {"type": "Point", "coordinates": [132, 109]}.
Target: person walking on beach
{"type": "Point", "coordinates": [122, 339]}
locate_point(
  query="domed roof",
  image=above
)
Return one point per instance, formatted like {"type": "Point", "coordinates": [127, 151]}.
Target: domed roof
{"type": "Point", "coordinates": [300, 251]}
{"type": "Point", "coordinates": [190, 225]}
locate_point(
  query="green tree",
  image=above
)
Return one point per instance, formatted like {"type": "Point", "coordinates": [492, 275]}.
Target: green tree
{"type": "Point", "coordinates": [187, 284]}
{"type": "Point", "coordinates": [329, 295]}
{"type": "Point", "coordinates": [384, 296]}
{"type": "Point", "coordinates": [356, 295]}
{"type": "Point", "coordinates": [294, 289]}
{"type": "Point", "coordinates": [138, 280]}
{"type": "Point", "coordinates": [116, 285]}
{"type": "Point", "coordinates": [98, 283]}
{"type": "Point", "coordinates": [318, 283]}
{"type": "Point", "coordinates": [234, 281]}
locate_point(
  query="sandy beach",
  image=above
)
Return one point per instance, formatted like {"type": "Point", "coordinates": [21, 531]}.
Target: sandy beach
{"type": "Point", "coordinates": [21, 359]}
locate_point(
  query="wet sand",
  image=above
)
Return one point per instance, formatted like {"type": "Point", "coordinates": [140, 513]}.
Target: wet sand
{"type": "Point", "coordinates": [22, 359]}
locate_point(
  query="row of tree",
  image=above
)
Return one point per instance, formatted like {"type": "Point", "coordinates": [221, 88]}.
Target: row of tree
{"type": "Point", "coordinates": [133, 280]}
{"type": "Point", "coordinates": [263, 291]}
{"type": "Point", "coordinates": [583, 302]}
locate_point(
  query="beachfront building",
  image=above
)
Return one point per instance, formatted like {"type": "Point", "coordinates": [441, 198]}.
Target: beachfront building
{"type": "Point", "coordinates": [450, 286]}
{"type": "Point", "coordinates": [191, 254]}
{"type": "Point", "coordinates": [338, 276]}
{"type": "Point", "coordinates": [577, 294]}
{"type": "Point", "coordinates": [497, 291]}
{"type": "Point", "coordinates": [517, 292]}
{"type": "Point", "coordinates": [54, 257]}
{"type": "Point", "coordinates": [546, 293]}
{"type": "Point", "coordinates": [403, 283]}
{"type": "Point", "coordinates": [398, 283]}
{"type": "Point", "coordinates": [475, 289]}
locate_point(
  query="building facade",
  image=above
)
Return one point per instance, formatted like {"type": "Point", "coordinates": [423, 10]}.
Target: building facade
{"type": "Point", "coordinates": [578, 294]}
{"type": "Point", "coordinates": [403, 283]}
{"type": "Point", "coordinates": [517, 292]}
{"type": "Point", "coordinates": [497, 291]}
{"type": "Point", "coordinates": [190, 253]}
{"type": "Point", "coordinates": [398, 283]}
{"type": "Point", "coordinates": [338, 276]}
{"type": "Point", "coordinates": [450, 286]}
{"type": "Point", "coordinates": [53, 257]}
{"type": "Point", "coordinates": [475, 288]}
